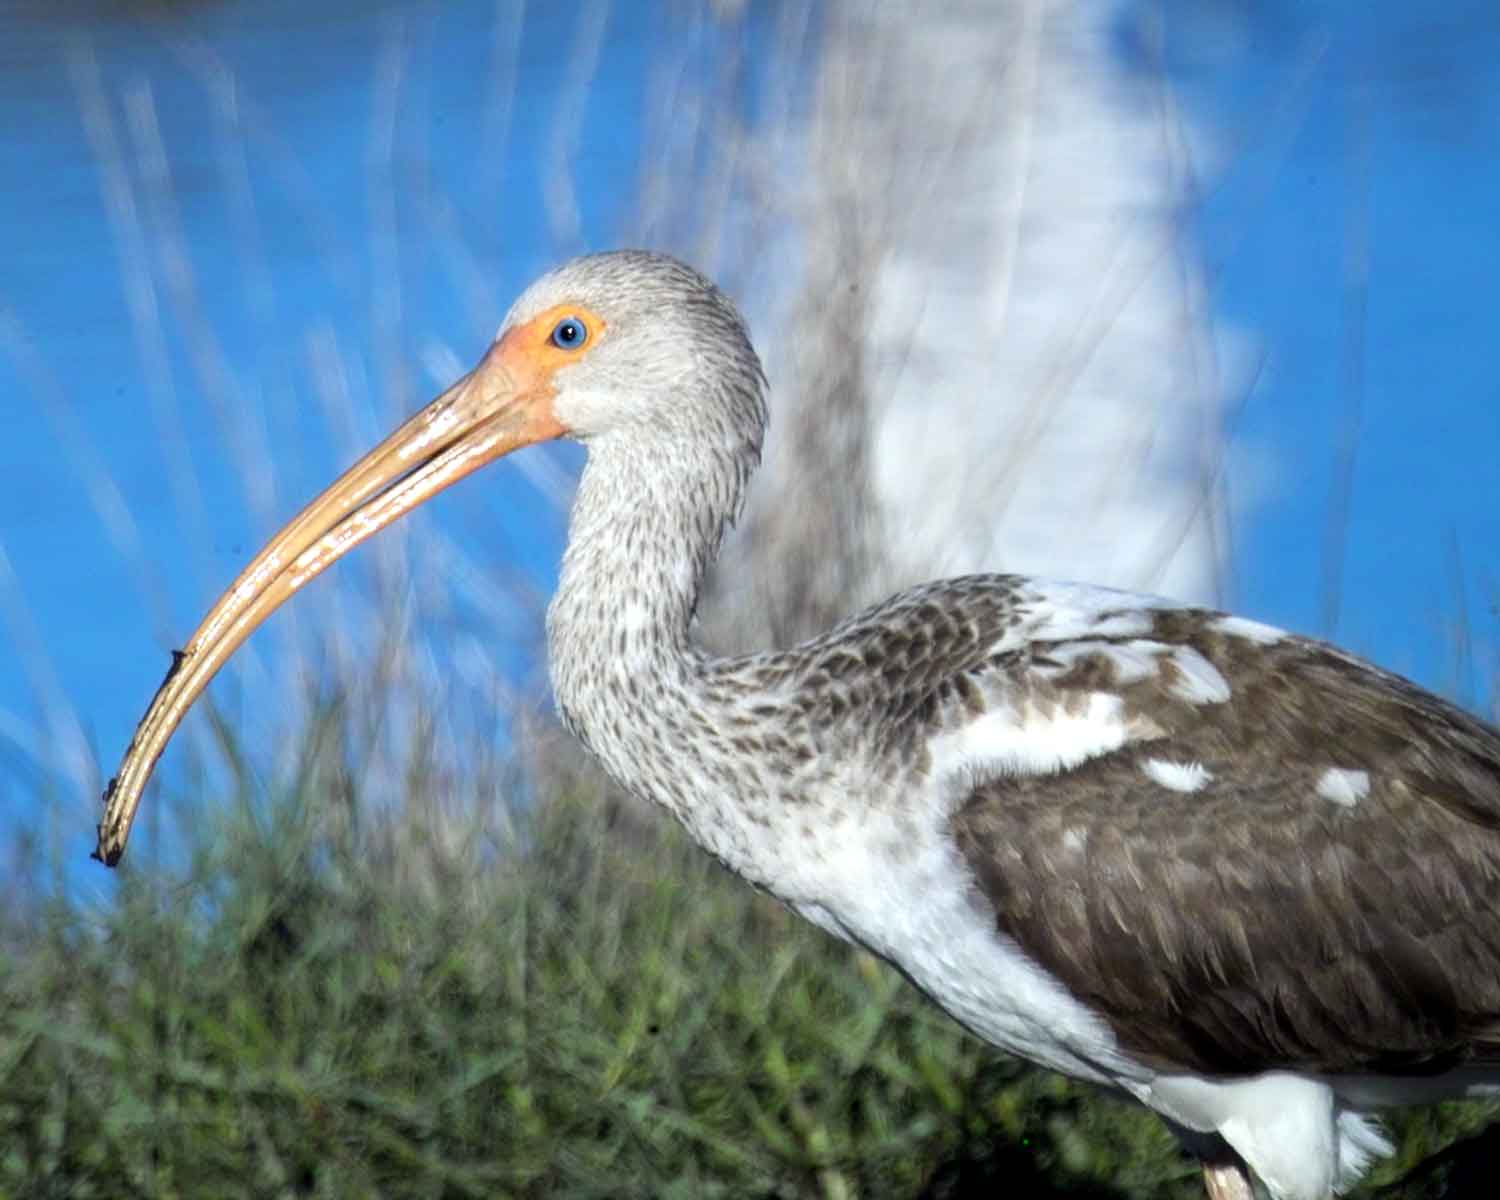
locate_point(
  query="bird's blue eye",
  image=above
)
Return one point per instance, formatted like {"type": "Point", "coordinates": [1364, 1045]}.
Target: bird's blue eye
{"type": "Point", "coordinates": [569, 333]}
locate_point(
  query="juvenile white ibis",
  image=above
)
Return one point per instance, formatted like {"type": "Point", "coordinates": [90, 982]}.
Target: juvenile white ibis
{"type": "Point", "coordinates": [1237, 874]}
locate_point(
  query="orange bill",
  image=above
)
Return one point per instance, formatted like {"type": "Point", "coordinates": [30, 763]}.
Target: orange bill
{"type": "Point", "coordinates": [503, 404]}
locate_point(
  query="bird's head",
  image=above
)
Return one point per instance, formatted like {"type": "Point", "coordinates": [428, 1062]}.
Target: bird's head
{"type": "Point", "coordinates": [630, 342]}
{"type": "Point", "coordinates": [625, 345]}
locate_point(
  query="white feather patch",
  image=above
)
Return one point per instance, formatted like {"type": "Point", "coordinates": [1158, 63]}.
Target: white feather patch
{"type": "Point", "coordinates": [1251, 631]}
{"type": "Point", "coordinates": [1199, 681]}
{"type": "Point", "coordinates": [1180, 777]}
{"type": "Point", "coordinates": [1134, 623]}
{"type": "Point", "coordinates": [1344, 787]}
{"type": "Point", "coordinates": [1361, 1142]}
{"type": "Point", "coordinates": [1063, 611]}
{"type": "Point", "coordinates": [1030, 740]}
{"type": "Point", "coordinates": [1132, 661]}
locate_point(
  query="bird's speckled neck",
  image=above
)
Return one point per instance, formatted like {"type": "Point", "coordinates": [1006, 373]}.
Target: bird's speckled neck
{"type": "Point", "coordinates": [627, 677]}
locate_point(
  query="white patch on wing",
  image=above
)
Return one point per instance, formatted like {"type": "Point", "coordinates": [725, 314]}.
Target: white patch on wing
{"type": "Point", "coordinates": [1180, 777]}
{"type": "Point", "coordinates": [1251, 631]}
{"type": "Point", "coordinates": [1132, 623]}
{"type": "Point", "coordinates": [1199, 681]}
{"type": "Point", "coordinates": [1132, 661]}
{"type": "Point", "coordinates": [1060, 611]}
{"type": "Point", "coordinates": [1030, 740]}
{"type": "Point", "coordinates": [1343, 787]}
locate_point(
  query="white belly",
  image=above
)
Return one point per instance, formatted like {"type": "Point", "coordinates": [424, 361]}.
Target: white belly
{"type": "Point", "coordinates": [904, 892]}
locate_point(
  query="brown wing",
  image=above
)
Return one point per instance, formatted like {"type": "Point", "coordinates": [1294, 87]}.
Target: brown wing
{"type": "Point", "coordinates": [1254, 921]}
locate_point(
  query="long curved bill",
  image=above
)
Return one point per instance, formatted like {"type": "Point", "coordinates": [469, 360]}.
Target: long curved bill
{"type": "Point", "coordinates": [500, 406]}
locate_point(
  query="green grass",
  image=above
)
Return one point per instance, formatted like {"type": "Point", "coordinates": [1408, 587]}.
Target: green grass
{"type": "Point", "coordinates": [585, 1006]}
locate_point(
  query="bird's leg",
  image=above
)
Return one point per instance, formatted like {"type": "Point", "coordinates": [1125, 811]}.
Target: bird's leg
{"type": "Point", "coordinates": [1227, 1179]}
